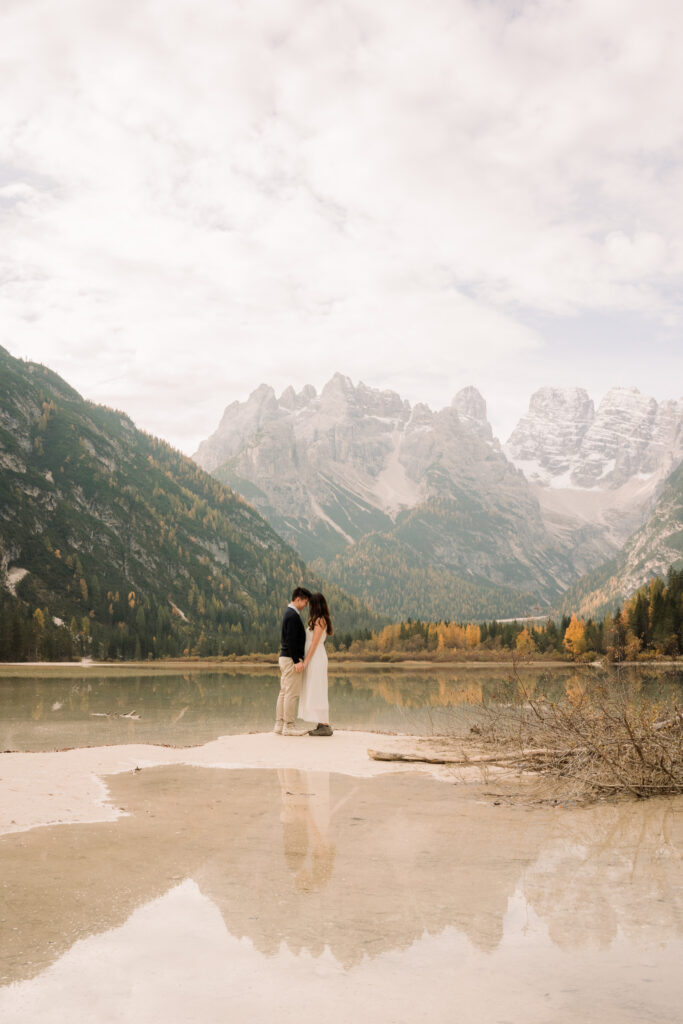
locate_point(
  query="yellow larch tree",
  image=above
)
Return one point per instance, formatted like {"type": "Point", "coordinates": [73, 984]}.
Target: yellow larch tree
{"type": "Point", "coordinates": [575, 637]}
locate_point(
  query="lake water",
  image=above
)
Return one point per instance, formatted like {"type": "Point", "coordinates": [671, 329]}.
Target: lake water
{"type": "Point", "coordinates": [233, 894]}
{"type": "Point", "coordinates": [76, 707]}
{"type": "Point", "coordinates": [253, 896]}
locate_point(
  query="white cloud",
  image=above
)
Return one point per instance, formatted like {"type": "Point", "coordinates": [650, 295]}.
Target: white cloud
{"type": "Point", "coordinates": [198, 197]}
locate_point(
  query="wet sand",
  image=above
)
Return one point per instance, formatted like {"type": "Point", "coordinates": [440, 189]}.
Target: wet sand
{"type": "Point", "coordinates": [66, 786]}
{"type": "Point", "coordinates": [260, 878]}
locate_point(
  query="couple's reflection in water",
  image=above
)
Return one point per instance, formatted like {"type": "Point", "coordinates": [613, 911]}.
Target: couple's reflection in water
{"type": "Point", "coordinates": [360, 867]}
{"type": "Point", "coordinates": [308, 848]}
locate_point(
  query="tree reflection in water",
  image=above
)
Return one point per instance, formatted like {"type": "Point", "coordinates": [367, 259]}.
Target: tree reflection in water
{"type": "Point", "coordinates": [57, 711]}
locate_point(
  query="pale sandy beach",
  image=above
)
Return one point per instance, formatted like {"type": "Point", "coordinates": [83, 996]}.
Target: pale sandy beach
{"type": "Point", "coordinates": [66, 787]}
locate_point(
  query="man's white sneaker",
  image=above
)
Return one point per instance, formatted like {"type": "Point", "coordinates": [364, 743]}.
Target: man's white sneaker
{"type": "Point", "coordinates": [289, 730]}
{"type": "Point", "coordinates": [278, 727]}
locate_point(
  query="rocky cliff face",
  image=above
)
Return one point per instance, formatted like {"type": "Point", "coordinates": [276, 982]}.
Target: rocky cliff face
{"type": "Point", "coordinates": [597, 472]}
{"type": "Point", "coordinates": [331, 470]}
{"type": "Point", "coordinates": [545, 442]}
{"type": "Point", "coordinates": [324, 469]}
{"type": "Point", "coordinates": [327, 470]}
{"type": "Point", "coordinates": [367, 443]}
{"type": "Point", "coordinates": [563, 441]}
{"type": "Point", "coordinates": [471, 410]}
{"type": "Point", "coordinates": [650, 551]}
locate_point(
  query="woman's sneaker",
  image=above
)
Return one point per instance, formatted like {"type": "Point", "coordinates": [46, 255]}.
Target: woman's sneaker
{"type": "Point", "coordinates": [321, 730]}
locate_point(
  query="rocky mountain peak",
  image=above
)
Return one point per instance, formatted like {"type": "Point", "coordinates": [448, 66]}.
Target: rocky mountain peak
{"type": "Point", "coordinates": [240, 421]}
{"type": "Point", "coordinates": [422, 417]}
{"type": "Point", "coordinates": [358, 461]}
{"type": "Point", "coordinates": [572, 404]}
{"type": "Point", "coordinates": [545, 441]}
{"type": "Point", "coordinates": [339, 385]}
{"type": "Point", "coordinates": [629, 436]}
{"type": "Point", "coordinates": [264, 394]}
{"type": "Point", "coordinates": [471, 409]}
{"type": "Point", "coordinates": [384, 404]}
{"type": "Point", "coordinates": [287, 399]}
{"type": "Point", "coordinates": [291, 400]}
{"type": "Point", "coordinates": [340, 398]}
{"type": "Point", "coordinates": [331, 470]}
{"type": "Point", "coordinates": [624, 403]}
{"type": "Point", "coordinates": [563, 441]}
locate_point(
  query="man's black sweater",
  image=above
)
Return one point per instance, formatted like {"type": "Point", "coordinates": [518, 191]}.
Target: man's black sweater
{"type": "Point", "coordinates": [293, 641]}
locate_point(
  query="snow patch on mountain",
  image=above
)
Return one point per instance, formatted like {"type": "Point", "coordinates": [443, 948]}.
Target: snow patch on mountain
{"type": "Point", "coordinates": [597, 473]}
{"type": "Point", "coordinates": [563, 441]}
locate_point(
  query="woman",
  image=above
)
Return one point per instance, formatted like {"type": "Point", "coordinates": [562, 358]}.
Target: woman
{"type": "Point", "coordinates": [313, 703]}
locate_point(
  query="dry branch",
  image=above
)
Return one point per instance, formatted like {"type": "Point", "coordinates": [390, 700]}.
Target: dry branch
{"type": "Point", "coordinates": [602, 737]}
{"type": "Point", "coordinates": [394, 755]}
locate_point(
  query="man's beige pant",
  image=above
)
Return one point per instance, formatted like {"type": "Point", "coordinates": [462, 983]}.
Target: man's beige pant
{"type": "Point", "coordinates": [290, 689]}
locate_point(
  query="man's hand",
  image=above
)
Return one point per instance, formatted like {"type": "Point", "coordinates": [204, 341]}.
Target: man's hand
{"type": "Point", "coordinates": [299, 667]}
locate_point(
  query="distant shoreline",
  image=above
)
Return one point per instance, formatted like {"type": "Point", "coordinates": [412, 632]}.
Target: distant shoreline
{"type": "Point", "coordinates": [337, 665]}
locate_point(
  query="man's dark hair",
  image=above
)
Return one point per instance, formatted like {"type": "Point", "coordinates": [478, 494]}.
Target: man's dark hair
{"type": "Point", "coordinates": [301, 592]}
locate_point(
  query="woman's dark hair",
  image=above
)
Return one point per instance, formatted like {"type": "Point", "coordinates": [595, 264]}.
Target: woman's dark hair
{"type": "Point", "coordinates": [317, 609]}
{"type": "Point", "coordinates": [301, 592]}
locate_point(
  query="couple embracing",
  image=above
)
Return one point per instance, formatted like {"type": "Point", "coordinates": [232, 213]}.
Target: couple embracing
{"type": "Point", "coordinates": [303, 665]}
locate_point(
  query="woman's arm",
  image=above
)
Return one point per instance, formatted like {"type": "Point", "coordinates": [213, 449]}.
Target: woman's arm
{"type": "Point", "coordinates": [318, 630]}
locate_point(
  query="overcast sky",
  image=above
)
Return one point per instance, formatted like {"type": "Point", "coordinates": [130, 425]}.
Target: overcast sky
{"type": "Point", "coordinates": [200, 195]}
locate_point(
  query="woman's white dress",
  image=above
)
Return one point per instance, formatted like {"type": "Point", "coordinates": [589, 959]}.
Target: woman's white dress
{"type": "Point", "coordinates": [313, 702]}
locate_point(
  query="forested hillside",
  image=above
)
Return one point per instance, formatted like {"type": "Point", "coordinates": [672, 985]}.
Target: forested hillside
{"type": "Point", "coordinates": [395, 579]}
{"type": "Point", "coordinates": [114, 544]}
{"type": "Point", "coordinates": [649, 625]}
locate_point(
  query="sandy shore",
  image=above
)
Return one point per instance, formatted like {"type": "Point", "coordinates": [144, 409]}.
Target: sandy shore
{"type": "Point", "coordinates": [67, 787]}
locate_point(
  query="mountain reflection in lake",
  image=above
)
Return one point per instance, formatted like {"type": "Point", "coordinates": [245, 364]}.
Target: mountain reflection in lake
{"type": "Point", "coordinates": [223, 893]}
{"type": "Point", "coordinates": [89, 707]}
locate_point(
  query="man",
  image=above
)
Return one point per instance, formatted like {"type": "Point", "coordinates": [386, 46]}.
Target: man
{"type": "Point", "coordinates": [292, 645]}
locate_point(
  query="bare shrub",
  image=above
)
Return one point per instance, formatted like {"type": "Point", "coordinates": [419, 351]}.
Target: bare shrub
{"type": "Point", "coordinates": [602, 738]}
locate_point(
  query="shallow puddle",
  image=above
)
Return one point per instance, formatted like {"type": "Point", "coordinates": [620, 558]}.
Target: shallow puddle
{"type": "Point", "coordinates": [243, 895]}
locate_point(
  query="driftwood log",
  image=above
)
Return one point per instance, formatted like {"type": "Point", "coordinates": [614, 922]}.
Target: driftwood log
{"type": "Point", "coordinates": [522, 755]}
